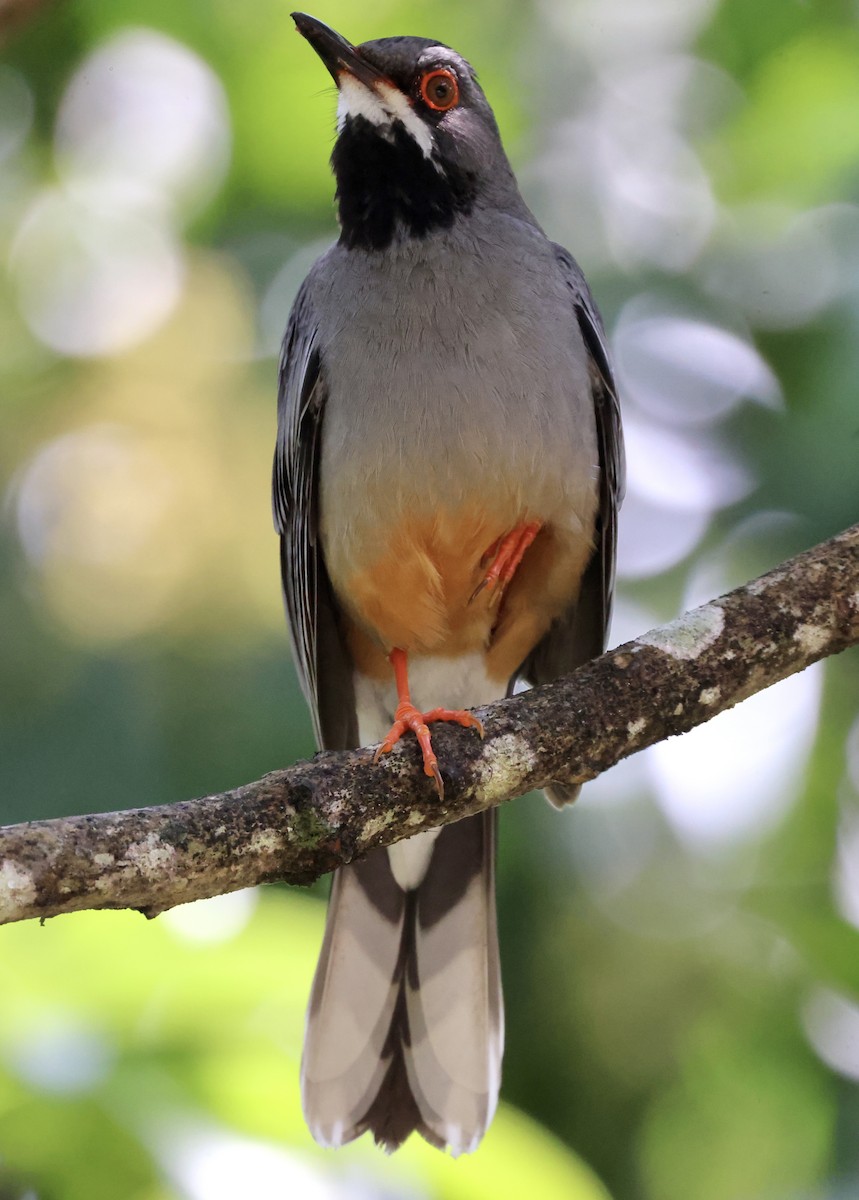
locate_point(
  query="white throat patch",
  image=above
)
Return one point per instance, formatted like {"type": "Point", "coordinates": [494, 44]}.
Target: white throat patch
{"type": "Point", "coordinates": [380, 105]}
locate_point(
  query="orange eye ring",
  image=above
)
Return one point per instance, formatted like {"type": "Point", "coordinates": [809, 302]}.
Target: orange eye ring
{"type": "Point", "coordinates": [440, 90]}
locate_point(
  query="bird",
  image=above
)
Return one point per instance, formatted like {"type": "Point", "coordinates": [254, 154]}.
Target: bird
{"type": "Point", "coordinates": [447, 475]}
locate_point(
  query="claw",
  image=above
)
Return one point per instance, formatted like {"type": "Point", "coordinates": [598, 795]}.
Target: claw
{"type": "Point", "coordinates": [439, 782]}
{"type": "Point", "coordinates": [484, 583]}
{"type": "Point", "coordinates": [506, 554]}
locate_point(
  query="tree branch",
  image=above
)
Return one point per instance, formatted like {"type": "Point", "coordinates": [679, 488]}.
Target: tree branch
{"type": "Point", "coordinates": [296, 824]}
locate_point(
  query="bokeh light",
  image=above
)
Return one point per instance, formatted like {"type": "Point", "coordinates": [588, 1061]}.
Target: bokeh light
{"type": "Point", "coordinates": [94, 276]}
{"type": "Point", "coordinates": [736, 776]}
{"type": "Point", "coordinates": [146, 113]}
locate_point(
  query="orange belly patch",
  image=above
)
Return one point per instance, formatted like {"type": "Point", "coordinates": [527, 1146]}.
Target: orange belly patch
{"type": "Point", "coordinates": [419, 593]}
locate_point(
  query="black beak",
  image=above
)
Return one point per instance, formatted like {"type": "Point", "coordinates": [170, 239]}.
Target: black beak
{"type": "Point", "coordinates": [337, 54]}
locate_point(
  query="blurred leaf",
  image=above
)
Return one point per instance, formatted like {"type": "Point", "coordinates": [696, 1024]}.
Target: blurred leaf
{"type": "Point", "coordinates": [747, 1117]}
{"type": "Point", "coordinates": [799, 132]}
{"type": "Point", "coordinates": [74, 1150]}
{"type": "Point", "coordinates": [826, 942]}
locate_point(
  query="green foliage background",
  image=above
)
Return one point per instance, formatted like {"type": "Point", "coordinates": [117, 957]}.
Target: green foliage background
{"type": "Point", "coordinates": [660, 1041]}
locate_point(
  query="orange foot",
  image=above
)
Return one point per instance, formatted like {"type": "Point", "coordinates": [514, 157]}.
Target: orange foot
{"type": "Point", "coordinates": [506, 555]}
{"type": "Point", "coordinates": [408, 717]}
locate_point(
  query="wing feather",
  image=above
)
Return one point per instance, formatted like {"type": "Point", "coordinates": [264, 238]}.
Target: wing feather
{"type": "Point", "coordinates": [321, 659]}
{"type": "Point", "coordinates": [580, 633]}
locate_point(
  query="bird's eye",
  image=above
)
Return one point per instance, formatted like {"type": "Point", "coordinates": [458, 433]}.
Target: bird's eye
{"type": "Point", "coordinates": [440, 90]}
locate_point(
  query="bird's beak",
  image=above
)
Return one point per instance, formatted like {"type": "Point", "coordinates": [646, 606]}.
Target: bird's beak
{"type": "Point", "coordinates": [337, 54]}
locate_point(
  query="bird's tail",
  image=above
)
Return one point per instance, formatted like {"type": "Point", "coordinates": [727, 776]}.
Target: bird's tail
{"type": "Point", "coordinates": [405, 1026]}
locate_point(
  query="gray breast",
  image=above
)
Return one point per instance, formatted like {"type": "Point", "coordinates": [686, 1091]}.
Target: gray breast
{"type": "Point", "coordinates": [452, 364]}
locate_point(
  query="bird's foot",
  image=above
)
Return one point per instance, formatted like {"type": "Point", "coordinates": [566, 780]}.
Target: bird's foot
{"type": "Point", "coordinates": [408, 717]}
{"type": "Point", "coordinates": [504, 556]}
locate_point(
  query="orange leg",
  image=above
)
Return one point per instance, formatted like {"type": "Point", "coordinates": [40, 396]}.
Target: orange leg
{"type": "Point", "coordinates": [409, 717]}
{"type": "Point", "coordinates": [506, 555]}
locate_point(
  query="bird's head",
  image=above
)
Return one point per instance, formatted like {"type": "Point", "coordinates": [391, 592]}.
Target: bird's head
{"type": "Point", "coordinates": [417, 143]}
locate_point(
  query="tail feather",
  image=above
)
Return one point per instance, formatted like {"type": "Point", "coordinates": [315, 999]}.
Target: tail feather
{"type": "Point", "coordinates": [454, 996]}
{"type": "Point", "coordinates": [405, 1023]}
{"type": "Point", "coordinates": [352, 1001]}
{"type": "Point", "coordinates": [394, 1113]}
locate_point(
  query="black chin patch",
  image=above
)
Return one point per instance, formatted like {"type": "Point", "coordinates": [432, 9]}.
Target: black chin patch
{"type": "Point", "coordinates": [388, 188]}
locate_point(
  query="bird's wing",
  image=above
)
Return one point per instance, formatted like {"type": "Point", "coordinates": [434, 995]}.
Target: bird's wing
{"type": "Point", "coordinates": [321, 659]}
{"type": "Point", "coordinates": [580, 633]}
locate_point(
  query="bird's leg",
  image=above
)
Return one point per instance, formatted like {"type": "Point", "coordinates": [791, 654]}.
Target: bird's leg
{"type": "Point", "coordinates": [409, 717]}
{"type": "Point", "coordinates": [506, 555]}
